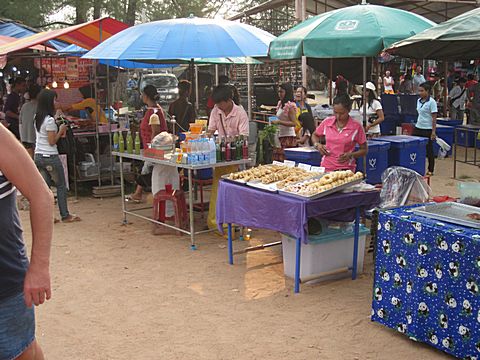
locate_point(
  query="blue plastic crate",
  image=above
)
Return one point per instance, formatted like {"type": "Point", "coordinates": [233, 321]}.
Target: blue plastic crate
{"type": "Point", "coordinates": [446, 133]}
{"type": "Point", "coordinates": [407, 151]}
{"type": "Point", "coordinates": [204, 174]}
{"type": "Point", "coordinates": [308, 156]}
{"type": "Point", "coordinates": [377, 161]}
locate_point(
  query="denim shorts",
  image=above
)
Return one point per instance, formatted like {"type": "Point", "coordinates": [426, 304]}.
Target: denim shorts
{"type": "Point", "coordinates": [17, 327]}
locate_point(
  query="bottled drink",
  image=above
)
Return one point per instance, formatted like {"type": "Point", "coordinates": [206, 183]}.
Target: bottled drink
{"type": "Point", "coordinates": [228, 150]}
{"type": "Point", "coordinates": [233, 149]}
{"type": "Point", "coordinates": [121, 142]}
{"type": "Point", "coordinates": [205, 153]}
{"type": "Point", "coordinates": [115, 141]}
{"type": "Point", "coordinates": [223, 148]}
{"type": "Point", "coordinates": [129, 142]}
{"type": "Point", "coordinates": [213, 151]}
{"type": "Point", "coordinates": [137, 143]}
{"type": "Point", "coordinates": [239, 147]}
{"type": "Point", "coordinates": [245, 149]}
{"type": "Point", "coordinates": [218, 151]}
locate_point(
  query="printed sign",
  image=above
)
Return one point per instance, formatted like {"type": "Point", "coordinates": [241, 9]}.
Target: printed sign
{"type": "Point", "coordinates": [319, 169]}
{"type": "Point", "coordinates": [373, 163]}
{"type": "Point", "coordinates": [72, 68]}
{"type": "Point", "coordinates": [289, 163]}
{"type": "Point", "coordinates": [305, 167]}
{"type": "Point", "coordinates": [347, 25]}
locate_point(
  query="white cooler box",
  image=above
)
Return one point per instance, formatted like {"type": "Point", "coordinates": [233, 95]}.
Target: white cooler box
{"type": "Point", "coordinates": [323, 253]}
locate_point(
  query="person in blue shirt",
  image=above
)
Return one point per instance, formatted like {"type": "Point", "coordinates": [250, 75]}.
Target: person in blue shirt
{"type": "Point", "coordinates": [427, 121]}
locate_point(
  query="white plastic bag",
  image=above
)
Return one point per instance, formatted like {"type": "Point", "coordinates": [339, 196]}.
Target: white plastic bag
{"type": "Point", "coordinates": [444, 148]}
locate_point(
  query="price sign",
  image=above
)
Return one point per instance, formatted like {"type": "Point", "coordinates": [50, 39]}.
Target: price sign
{"type": "Point", "coordinates": [305, 167]}
{"type": "Point", "coordinates": [278, 163]}
{"type": "Point", "coordinates": [319, 169]}
{"type": "Point", "coordinates": [289, 163]}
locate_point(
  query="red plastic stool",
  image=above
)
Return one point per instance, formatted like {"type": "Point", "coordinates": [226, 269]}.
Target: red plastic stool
{"type": "Point", "coordinates": [179, 204]}
{"type": "Point", "coordinates": [201, 183]}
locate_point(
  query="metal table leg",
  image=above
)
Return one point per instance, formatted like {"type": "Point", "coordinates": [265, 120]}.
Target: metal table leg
{"type": "Point", "coordinates": [355, 243]}
{"type": "Point", "coordinates": [122, 191]}
{"type": "Point", "coordinates": [190, 209]}
{"type": "Point", "coordinates": [297, 265]}
{"type": "Point", "coordinates": [230, 245]}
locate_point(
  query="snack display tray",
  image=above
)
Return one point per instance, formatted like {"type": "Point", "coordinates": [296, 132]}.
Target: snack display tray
{"type": "Point", "coordinates": [322, 194]}
{"type": "Point", "coordinates": [450, 212]}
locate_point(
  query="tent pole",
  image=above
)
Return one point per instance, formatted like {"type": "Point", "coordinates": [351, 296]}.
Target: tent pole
{"type": "Point", "coordinates": [249, 91]}
{"type": "Point", "coordinates": [216, 74]}
{"type": "Point", "coordinates": [445, 90]}
{"type": "Point", "coordinates": [330, 90]}
{"type": "Point", "coordinates": [364, 96]}
{"type": "Point", "coordinates": [196, 88]}
{"type": "Point", "coordinates": [304, 71]}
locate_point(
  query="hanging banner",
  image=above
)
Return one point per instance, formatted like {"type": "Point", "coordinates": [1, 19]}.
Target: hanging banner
{"type": "Point", "coordinates": [77, 73]}
{"type": "Point", "coordinates": [72, 68]}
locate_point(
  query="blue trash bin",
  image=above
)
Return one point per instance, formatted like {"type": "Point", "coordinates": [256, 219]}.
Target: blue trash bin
{"type": "Point", "coordinates": [449, 122]}
{"type": "Point", "coordinates": [390, 104]}
{"type": "Point", "coordinates": [446, 133]}
{"type": "Point", "coordinates": [377, 161]}
{"type": "Point", "coordinates": [466, 138]}
{"type": "Point", "coordinates": [304, 155]}
{"type": "Point", "coordinates": [407, 151]}
{"type": "Point", "coordinates": [389, 125]}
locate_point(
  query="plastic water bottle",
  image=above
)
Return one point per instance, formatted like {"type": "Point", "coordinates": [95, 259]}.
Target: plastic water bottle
{"type": "Point", "coordinates": [206, 151]}
{"type": "Point", "coordinates": [213, 151]}
{"type": "Point", "coordinates": [115, 141]}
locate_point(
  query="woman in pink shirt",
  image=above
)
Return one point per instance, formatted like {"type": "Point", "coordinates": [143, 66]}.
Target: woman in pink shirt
{"type": "Point", "coordinates": [337, 136]}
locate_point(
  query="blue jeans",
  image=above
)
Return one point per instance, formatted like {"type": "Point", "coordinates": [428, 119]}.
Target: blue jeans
{"type": "Point", "coordinates": [51, 169]}
{"type": "Point", "coordinates": [17, 327]}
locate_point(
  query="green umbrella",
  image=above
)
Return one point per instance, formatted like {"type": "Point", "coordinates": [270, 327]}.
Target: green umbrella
{"type": "Point", "coordinates": [457, 38]}
{"type": "Point", "coordinates": [355, 31]}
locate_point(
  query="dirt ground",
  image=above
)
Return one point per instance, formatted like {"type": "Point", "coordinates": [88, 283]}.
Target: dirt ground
{"type": "Point", "coordinates": [121, 293]}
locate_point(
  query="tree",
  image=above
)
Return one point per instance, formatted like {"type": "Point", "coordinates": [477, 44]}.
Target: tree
{"type": "Point", "coordinates": [31, 13]}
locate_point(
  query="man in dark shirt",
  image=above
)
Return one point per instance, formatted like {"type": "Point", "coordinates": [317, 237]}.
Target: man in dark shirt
{"type": "Point", "coordinates": [12, 106]}
{"type": "Point", "coordinates": [181, 108]}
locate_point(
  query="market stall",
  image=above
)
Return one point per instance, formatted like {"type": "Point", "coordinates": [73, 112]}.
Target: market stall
{"type": "Point", "coordinates": [190, 168]}
{"type": "Point", "coordinates": [287, 212]}
{"type": "Point", "coordinates": [427, 276]}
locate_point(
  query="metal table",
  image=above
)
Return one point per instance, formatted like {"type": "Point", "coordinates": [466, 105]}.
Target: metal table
{"type": "Point", "coordinates": [190, 168]}
{"type": "Point", "coordinates": [470, 130]}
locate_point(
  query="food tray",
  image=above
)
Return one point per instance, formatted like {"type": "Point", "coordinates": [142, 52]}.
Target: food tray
{"type": "Point", "coordinates": [272, 187]}
{"type": "Point", "coordinates": [450, 212]}
{"type": "Point", "coordinates": [226, 177]}
{"type": "Point", "coordinates": [322, 194]}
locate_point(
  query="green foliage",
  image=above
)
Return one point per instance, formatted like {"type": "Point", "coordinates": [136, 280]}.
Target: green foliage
{"type": "Point", "coordinates": [28, 12]}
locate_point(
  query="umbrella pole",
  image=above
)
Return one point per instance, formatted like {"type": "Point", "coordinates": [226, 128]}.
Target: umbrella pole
{"type": "Point", "coordinates": [192, 75]}
{"type": "Point", "coordinates": [330, 90]}
{"type": "Point", "coordinates": [216, 74]}
{"type": "Point", "coordinates": [445, 90]}
{"type": "Point", "coordinates": [249, 91]}
{"type": "Point", "coordinates": [196, 88]}
{"type": "Point", "coordinates": [364, 94]}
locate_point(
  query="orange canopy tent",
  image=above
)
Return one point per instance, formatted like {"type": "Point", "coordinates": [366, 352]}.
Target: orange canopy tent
{"type": "Point", "coordinates": [86, 35]}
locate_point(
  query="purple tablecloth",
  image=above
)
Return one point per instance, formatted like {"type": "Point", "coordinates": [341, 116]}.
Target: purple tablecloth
{"type": "Point", "coordinates": [246, 206]}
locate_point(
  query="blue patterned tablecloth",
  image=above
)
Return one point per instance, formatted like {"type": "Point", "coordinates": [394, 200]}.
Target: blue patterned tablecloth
{"type": "Point", "coordinates": [427, 279]}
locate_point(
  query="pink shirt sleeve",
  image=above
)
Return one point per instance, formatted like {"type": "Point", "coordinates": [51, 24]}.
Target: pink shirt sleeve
{"type": "Point", "coordinates": [320, 130]}
{"type": "Point", "coordinates": [361, 138]}
{"type": "Point", "coordinates": [243, 125]}
{"type": "Point", "coordinates": [214, 119]}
